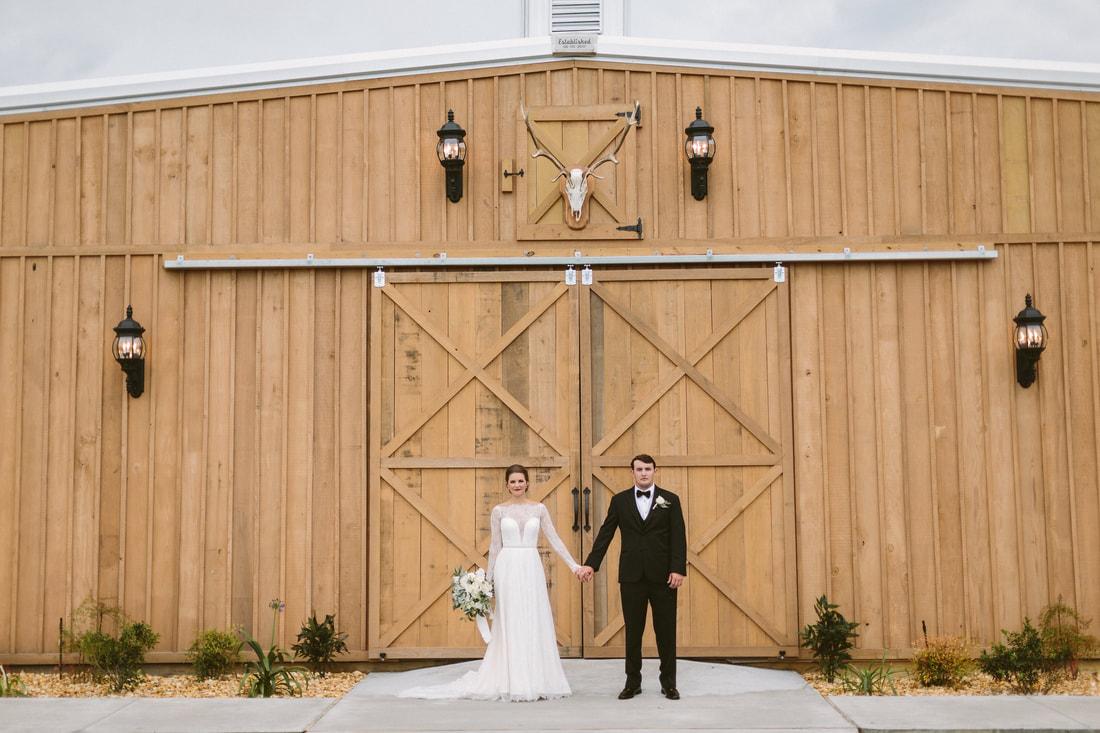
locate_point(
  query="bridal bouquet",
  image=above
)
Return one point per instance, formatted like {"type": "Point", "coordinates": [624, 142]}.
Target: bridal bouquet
{"type": "Point", "coordinates": [471, 592]}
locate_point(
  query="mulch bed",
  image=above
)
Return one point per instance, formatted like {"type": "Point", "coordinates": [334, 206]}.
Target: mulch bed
{"type": "Point", "coordinates": [1087, 683]}
{"type": "Point", "coordinates": [43, 684]}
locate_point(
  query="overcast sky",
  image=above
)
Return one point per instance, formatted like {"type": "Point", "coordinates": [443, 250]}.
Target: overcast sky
{"type": "Point", "coordinates": [64, 40]}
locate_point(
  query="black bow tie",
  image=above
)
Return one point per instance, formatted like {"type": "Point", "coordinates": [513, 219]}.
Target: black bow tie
{"type": "Point", "coordinates": [642, 494]}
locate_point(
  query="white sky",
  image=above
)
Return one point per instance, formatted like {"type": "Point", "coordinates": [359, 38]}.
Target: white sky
{"type": "Point", "coordinates": [64, 40]}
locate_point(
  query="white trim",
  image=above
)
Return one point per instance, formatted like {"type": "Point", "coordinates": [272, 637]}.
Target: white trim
{"type": "Point", "coordinates": [772, 258]}
{"type": "Point", "coordinates": [537, 18]}
{"type": "Point", "coordinates": [739, 56]}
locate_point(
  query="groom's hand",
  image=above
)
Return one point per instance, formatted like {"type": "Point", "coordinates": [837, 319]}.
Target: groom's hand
{"type": "Point", "coordinates": [585, 573]}
{"type": "Point", "coordinates": [675, 580]}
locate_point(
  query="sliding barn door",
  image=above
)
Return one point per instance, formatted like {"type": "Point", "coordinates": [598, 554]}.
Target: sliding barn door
{"type": "Point", "coordinates": [470, 372]}
{"type": "Point", "coordinates": [693, 367]}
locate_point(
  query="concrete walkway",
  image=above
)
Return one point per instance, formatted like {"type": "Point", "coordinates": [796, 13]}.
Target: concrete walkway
{"type": "Point", "coordinates": [716, 697]}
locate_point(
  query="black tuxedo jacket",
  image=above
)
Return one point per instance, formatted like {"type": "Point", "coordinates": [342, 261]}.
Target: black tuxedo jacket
{"type": "Point", "coordinates": [651, 549]}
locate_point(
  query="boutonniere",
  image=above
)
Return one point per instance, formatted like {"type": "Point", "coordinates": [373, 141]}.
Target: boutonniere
{"type": "Point", "coordinates": [662, 503]}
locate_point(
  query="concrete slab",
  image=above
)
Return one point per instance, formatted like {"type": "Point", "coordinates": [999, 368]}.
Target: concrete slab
{"type": "Point", "coordinates": [1016, 713]}
{"type": "Point", "coordinates": [1085, 710]}
{"type": "Point", "coordinates": [604, 677]}
{"type": "Point", "coordinates": [717, 697]}
{"type": "Point", "coordinates": [225, 715]}
{"type": "Point", "coordinates": [56, 714]}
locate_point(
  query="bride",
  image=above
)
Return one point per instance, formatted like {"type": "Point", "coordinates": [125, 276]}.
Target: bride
{"type": "Point", "coordinates": [521, 661]}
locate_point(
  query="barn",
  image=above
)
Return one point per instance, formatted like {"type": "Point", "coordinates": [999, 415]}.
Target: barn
{"type": "Point", "coordinates": [362, 297]}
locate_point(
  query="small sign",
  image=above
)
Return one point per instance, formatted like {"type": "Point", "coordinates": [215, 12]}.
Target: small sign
{"type": "Point", "coordinates": [573, 43]}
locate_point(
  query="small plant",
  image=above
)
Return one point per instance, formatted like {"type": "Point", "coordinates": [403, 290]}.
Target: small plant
{"type": "Point", "coordinates": [269, 674]}
{"type": "Point", "coordinates": [11, 685]}
{"type": "Point", "coordinates": [874, 679]}
{"type": "Point", "coordinates": [1065, 642]}
{"type": "Point", "coordinates": [944, 661]}
{"type": "Point", "coordinates": [830, 638]}
{"type": "Point", "coordinates": [213, 653]}
{"type": "Point", "coordinates": [1020, 662]}
{"type": "Point", "coordinates": [116, 659]}
{"type": "Point", "coordinates": [319, 643]}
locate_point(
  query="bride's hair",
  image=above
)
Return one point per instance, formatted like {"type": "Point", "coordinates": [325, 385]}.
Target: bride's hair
{"type": "Point", "coordinates": [516, 468]}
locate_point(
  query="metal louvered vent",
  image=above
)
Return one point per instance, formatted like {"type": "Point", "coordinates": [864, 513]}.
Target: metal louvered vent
{"type": "Point", "coordinates": [575, 16]}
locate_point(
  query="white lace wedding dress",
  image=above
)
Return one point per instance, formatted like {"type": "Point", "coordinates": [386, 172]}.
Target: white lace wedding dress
{"type": "Point", "coordinates": [521, 662]}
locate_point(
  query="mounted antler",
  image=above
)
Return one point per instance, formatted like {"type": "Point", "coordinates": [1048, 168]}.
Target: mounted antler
{"type": "Point", "coordinates": [574, 185]}
{"type": "Point", "coordinates": [631, 121]}
{"type": "Point", "coordinates": [540, 149]}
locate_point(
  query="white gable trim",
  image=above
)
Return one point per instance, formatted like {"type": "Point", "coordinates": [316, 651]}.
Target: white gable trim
{"type": "Point", "coordinates": [743, 57]}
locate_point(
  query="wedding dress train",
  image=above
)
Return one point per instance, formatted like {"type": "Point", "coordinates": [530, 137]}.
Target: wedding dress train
{"type": "Point", "coordinates": [521, 661]}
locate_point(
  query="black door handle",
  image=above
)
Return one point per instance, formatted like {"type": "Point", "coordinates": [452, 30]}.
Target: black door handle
{"type": "Point", "coordinates": [587, 509]}
{"type": "Point", "coordinates": [576, 509]}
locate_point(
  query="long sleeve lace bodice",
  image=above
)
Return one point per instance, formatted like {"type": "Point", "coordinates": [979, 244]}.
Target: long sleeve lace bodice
{"type": "Point", "coordinates": [517, 525]}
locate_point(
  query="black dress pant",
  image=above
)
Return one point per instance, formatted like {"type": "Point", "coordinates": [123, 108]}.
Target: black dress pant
{"type": "Point", "coordinates": [636, 598]}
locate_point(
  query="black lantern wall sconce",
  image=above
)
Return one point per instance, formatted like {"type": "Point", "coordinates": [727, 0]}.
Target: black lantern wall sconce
{"type": "Point", "coordinates": [699, 148]}
{"type": "Point", "coordinates": [1031, 339]}
{"type": "Point", "coordinates": [451, 151]}
{"type": "Point", "coordinates": [129, 351]}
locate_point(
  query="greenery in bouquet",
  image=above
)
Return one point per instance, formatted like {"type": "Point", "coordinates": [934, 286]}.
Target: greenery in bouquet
{"type": "Point", "coordinates": [471, 592]}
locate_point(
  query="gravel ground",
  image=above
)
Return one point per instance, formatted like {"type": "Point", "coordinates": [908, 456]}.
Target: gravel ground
{"type": "Point", "coordinates": [41, 684]}
{"type": "Point", "coordinates": [1087, 683]}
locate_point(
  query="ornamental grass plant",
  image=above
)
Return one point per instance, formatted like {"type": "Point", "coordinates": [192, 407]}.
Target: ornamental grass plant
{"type": "Point", "coordinates": [271, 674]}
{"type": "Point", "coordinates": [943, 661]}
{"type": "Point", "coordinates": [11, 685]}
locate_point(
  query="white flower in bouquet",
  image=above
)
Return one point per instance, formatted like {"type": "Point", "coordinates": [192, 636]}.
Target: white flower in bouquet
{"type": "Point", "coordinates": [471, 593]}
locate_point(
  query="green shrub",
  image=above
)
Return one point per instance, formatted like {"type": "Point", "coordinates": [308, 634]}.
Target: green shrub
{"type": "Point", "coordinates": [1065, 642]}
{"type": "Point", "coordinates": [1020, 662]}
{"type": "Point", "coordinates": [319, 643]}
{"type": "Point", "coordinates": [873, 679]}
{"type": "Point", "coordinates": [11, 685]}
{"type": "Point", "coordinates": [944, 661]}
{"type": "Point", "coordinates": [118, 660]}
{"type": "Point", "coordinates": [269, 674]}
{"type": "Point", "coordinates": [830, 638]}
{"type": "Point", "coordinates": [113, 658]}
{"type": "Point", "coordinates": [213, 653]}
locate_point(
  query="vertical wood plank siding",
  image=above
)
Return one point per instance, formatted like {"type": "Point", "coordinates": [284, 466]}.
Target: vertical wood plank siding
{"type": "Point", "coordinates": [344, 165]}
{"type": "Point", "coordinates": [929, 486]}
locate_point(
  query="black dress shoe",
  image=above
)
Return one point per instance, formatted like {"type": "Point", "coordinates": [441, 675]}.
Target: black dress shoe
{"type": "Point", "coordinates": [670, 692]}
{"type": "Point", "coordinates": [629, 692]}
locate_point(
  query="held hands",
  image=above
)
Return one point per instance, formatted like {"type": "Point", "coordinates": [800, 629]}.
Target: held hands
{"type": "Point", "coordinates": [584, 573]}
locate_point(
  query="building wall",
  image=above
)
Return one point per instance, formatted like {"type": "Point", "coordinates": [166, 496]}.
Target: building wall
{"type": "Point", "coordinates": [929, 486]}
{"type": "Point", "coordinates": [348, 164]}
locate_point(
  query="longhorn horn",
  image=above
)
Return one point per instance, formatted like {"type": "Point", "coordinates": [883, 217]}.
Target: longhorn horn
{"type": "Point", "coordinates": [540, 148]}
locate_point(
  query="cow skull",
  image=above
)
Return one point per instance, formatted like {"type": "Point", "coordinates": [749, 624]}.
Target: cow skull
{"type": "Point", "coordinates": [573, 181]}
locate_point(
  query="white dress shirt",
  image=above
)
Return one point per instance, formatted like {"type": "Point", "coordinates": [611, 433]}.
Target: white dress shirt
{"type": "Point", "coordinates": [644, 504]}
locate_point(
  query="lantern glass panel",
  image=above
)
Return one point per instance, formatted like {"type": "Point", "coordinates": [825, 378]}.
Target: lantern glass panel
{"type": "Point", "coordinates": [451, 148]}
{"type": "Point", "coordinates": [700, 146]}
{"type": "Point", "coordinates": [1031, 336]}
{"type": "Point", "coordinates": [129, 347]}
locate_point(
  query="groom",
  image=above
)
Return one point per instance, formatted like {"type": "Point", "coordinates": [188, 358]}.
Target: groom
{"type": "Point", "coordinates": [652, 565]}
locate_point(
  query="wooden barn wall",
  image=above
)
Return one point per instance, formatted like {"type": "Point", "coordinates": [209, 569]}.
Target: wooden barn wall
{"type": "Point", "coordinates": [238, 477]}
{"type": "Point", "coordinates": [930, 486]}
{"type": "Point", "coordinates": [355, 163]}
